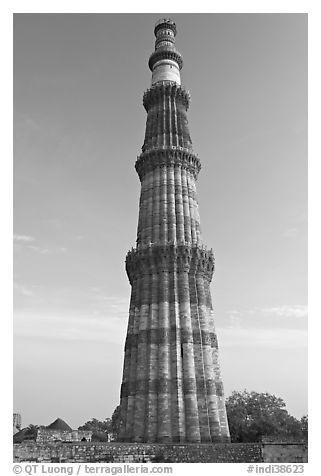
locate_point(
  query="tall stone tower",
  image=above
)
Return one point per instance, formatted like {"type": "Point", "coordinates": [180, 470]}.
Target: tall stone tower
{"type": "Point", "coordinates": [172, 389]}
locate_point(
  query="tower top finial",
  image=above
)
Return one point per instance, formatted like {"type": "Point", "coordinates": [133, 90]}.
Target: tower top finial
{"type": "Point", "coordinates": [163, 24]}
{"type": "Point", "coordinates": [165, 62]}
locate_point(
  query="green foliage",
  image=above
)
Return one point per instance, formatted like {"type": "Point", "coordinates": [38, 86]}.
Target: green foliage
{"type": "Point", "coordinates": [100, 429]}
{"type": "Point", "coordinates": [304, 426]}
{"type": "Point", "coordinates": [115, 423]}
{"type": "Point", "coordinates": [31, 432]}
{"type": "Point", "coordinates": [253, 415]}
{"type": "Point", "coordinates": [104, 430]}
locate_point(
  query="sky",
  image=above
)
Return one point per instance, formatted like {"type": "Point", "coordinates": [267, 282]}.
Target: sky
{"type": "Point", "coordinates": [79, 125]}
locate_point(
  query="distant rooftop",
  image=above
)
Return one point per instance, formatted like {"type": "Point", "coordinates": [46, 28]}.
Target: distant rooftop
{"type": "Point", "coordinates": [60, 425]}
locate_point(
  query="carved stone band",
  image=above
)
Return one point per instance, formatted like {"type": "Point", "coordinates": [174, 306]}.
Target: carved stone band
{"type": "Point", "coordinates": [156, 94]}
{"type": "Point", "coordinates": [178, 258]}
{"type": "Point", "coordinates": [170, 336]}
{"type": "Point", "coordinates": [170, 157]}
{"type": "Point", "coordinates": [165, 53]}
{"type": "Point", "coordinates": [159, 386]}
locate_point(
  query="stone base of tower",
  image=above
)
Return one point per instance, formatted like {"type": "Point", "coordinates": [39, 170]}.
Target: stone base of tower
{"type": "Point", "coordinates": [172, 390]}
{"type": "Point", "coordinates": [176, 440]}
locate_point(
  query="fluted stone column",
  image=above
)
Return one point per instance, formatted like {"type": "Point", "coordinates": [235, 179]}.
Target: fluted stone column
{"type": "Point", "coordinates": [153, 373]}
{"type": "Point", "coordinates": [172, 388]}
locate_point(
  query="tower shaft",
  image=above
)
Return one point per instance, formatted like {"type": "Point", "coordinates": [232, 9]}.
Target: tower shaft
{"type": "Point", "coordinates": [172, 389]}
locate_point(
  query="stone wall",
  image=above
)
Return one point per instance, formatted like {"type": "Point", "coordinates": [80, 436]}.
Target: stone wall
{"type": "Point", "coordinates": [161, 453]}
{"type": "Point", "coordinates": [46, 435]}
{"type": "Point", "coordinates": [285, 452]}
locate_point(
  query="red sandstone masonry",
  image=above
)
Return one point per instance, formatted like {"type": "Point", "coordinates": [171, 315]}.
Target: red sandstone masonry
{"type": "Point", "coordinates": [172, 389]}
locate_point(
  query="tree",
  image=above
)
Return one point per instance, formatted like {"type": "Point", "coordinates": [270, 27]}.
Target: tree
{"type": "Point", "coordinates": [253, 415]}
{"type": "Point", "coordinates": [28, 433]}
{"type": "Point", "coordinates": [101, 429]}
{"type": "Point", "coordinates": [31, 432]}
{"type": "Point", "coordinates": [115, 423]}
{"type": "Point", "coordinates": [304, 426]}
{"type": "Point", "coordinates": [104, 430]}
{"type": "Point", "coordinates": [32, 429]}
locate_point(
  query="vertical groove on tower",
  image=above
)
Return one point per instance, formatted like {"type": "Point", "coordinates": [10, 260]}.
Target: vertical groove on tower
{"type": "Point", "coordinates": [152, 406]}
{"type": "Point", "coordinates": [172, 388]}
{"type": "Point", "coordinates": [164, 395]}
{"type": "Point", "coordinates": [187, 219]}
{"type": "Point", "coordinates": [199, 345]}
{"type": "Point", "coordinates": [156, 211]}
{"type": "Point", "coordinates": [179, 205]}
{"type": "Point", "coordinates": [189, 371]}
